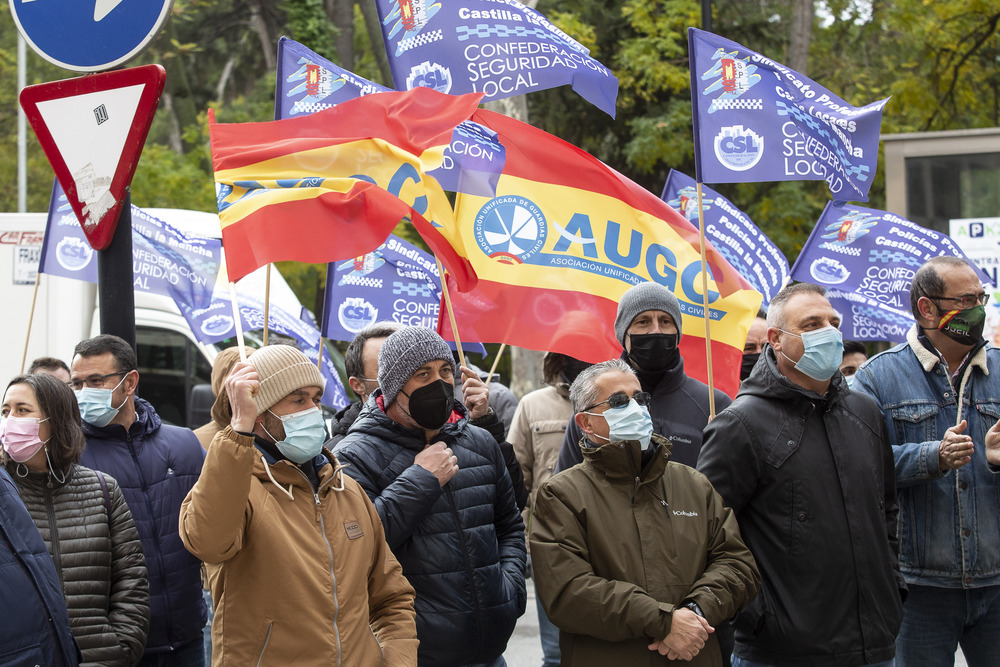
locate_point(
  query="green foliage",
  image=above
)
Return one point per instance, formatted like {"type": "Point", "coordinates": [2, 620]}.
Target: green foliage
{"type": "Point", "coordinates": [308, 24]}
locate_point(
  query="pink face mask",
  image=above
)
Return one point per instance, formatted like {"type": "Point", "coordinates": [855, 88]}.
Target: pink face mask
{"type": "Point", "coordinates": [19, 436]}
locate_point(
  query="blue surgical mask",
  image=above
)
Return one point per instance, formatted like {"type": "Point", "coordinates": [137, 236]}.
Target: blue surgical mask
{"type": "Point", "coordinates": [304, 435]}
{"type": "Point", "coordinates": [822, 354]}
{"type": "Point", "coordinates": [629, 422]}
{"type": "Point", "coordinates": [850, 380]}
{"type": "Point", "coordinates": [95, 405]}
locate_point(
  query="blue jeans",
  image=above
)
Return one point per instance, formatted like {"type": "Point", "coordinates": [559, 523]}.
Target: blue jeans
{"type": "Point", "coordinates": [740, 662]}
{"type": "Point", "coordinates": [549, 634]}
{"type": "Point", "coordinates": [191, 654]}
{"type": "Point", "coordinates": [208, 627]}
{"type": "Point", "coordinates": [937, 620]}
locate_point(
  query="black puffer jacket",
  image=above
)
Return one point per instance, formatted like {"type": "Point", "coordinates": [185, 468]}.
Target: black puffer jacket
{"type": "Point", "coordinates": [461, 546]}
{"type": "Point", "coordinates": [98, 559]}
{"type": "Point", "coordinates": [812, 482]}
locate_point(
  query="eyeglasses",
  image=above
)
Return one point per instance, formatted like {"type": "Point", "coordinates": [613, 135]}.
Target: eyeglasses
{"type": "Point", "coordinates": [94, 381]}
{"type": "Point", "coordinates": [621, 399]}
{"type": "Point", "coordinates": [967, 301]}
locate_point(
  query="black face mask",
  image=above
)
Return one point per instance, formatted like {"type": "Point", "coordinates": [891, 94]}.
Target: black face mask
{"type": "Point", "coordinates": [430, 405]}
{"type": "Point", "coordinates": [749, 361]}
{"type": "Point", "coordinates": [654, 352]}
{"type": "Point", "coordinates": [573, 367]}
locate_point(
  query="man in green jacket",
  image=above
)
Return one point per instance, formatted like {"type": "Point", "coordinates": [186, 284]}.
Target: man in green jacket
{"type": "Point", "coordinates": [640, 557]}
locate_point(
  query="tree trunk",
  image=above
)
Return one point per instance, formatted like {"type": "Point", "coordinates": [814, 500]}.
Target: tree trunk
{"type": "Point", "coordinates": [268, 45]}
{"type": "Point", "coordinates": [798, 50]}
{"type": "Point", "coordinates": [374, 28]}
{"type": "Point", "coordinates": [341, 14]}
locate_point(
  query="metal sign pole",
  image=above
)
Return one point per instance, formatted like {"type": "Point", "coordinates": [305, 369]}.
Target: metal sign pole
{"type": "Point", "coordinates": [114, 279]}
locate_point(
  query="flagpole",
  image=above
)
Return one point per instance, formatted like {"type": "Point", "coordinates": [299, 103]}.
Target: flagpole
{"type": "Point", "coordinates": [493, 368]}
{"type": "Point", "coordinates": [31, 318]}
{"type": "Point", "coordinates": [239, 321]}
{"type": "Point", "coordinates": [451, 311]}
{"type": "Point", "coordinates": [267, 303]}
{"type": "Point", "coordinates": [707, 314]}
{"type": "Point", "coordinates": [319, 356]}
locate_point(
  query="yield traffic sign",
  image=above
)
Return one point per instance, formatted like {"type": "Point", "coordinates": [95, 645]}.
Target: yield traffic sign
{"type": "Point", "coordinates": [89, 35]}
{"type": "Point", "coordinates": [92, 129]}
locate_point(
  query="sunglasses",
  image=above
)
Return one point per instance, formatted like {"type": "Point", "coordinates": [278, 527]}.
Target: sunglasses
{"type": "Point", "coordinates": [621, 399]}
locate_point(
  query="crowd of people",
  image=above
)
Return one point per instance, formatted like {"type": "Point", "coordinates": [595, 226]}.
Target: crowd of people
{"type": "Point", "coordinates": [839, 511]}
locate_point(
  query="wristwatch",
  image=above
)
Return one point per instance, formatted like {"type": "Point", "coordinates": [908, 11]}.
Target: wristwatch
{"type": "Point", "coordinates": [693, 606]}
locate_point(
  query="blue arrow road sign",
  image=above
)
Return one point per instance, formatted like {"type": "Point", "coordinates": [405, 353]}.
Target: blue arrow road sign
{"type": "Point", "coordinates": [89, 35]}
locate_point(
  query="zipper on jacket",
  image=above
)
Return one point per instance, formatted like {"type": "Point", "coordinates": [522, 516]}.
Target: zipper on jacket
{"type": "Point", "coordinates": [329, 549]}
{"type": "Point", "coordinates": [54, 535]}
{"type": "Point", "coordinates": [468, 570]}
{"type": "Point", "coordinates": [267, 640]}
{"type": "Point", "coordinates": [666, 507]}
{"type": "Point", "coordinates": [156, 538]}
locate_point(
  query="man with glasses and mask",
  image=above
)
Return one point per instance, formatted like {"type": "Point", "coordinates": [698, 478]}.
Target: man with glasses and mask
{"type": "Point", "coordinates": [304, 575]}
{"type": "Point", "coordinates": [648, 325]}
{"type": "Point", "coordinates": [155, 465]}
{"type": "Point", "coordinates": [940, 396]}
{"type": "Point", "coordinates": [805, 464]}
{"type": "Point", "coordinates": [634, 554]}
{"type": "Point", "coordinates": [446, 501]}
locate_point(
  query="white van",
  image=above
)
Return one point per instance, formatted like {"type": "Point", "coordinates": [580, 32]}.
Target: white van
{"type": "Point", "coordinates": [173, 366]}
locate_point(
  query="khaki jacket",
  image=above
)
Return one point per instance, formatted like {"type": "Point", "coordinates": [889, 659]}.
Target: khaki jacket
{"type": "Point", "coordinates": [537, 434]}
{"type": "Point", "coordinates": [301, 578]}
{"type": "Point", "coordinates": [617, 548]}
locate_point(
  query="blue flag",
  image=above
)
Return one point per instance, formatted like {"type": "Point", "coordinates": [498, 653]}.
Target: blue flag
{"type": "Point", "coordinates": [164, 260]}
{"type": "Point", "coordinates": [307, 83]}
{"type": "Point", "coordinates": [500, 48]}
{"type": "Point", "coordinates": [732, 232]}
{"type": "Point", "coordinates": [398, 282]}
{"type": "Point", "coordinates": [757, 120]}
{"type": "Point", "coordinates": [867, 259]}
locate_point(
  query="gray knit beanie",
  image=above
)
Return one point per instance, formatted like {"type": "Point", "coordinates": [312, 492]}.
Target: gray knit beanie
{"type": "Point", "coordinates": [282, 370]}
{"type": "Point", "coordinates": [643, 297]}
{"type": "Point", "coordinates": [403, 353]}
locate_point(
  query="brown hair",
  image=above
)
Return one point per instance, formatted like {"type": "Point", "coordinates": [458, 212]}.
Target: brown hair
{"type": "Point", "coordinates": [57, 402]}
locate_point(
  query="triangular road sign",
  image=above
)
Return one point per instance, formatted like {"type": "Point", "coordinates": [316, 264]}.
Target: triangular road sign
{"type": "Point", "coordinates": [92, 129]}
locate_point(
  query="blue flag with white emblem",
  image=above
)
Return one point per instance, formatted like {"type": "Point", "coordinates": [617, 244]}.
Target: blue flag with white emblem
{"type": "Point", "coordinates": [307, 83]}
{"type": "Point", "coordinates": [866, 259]}
{"type": "Point", "coordinates": [732, 232]}
{"type": "Point", "coordinates": [397, 282]}
{"type": "Point", "coordinates": [500, 48]}
{"type": "Point", "coordinates": [757, 120]}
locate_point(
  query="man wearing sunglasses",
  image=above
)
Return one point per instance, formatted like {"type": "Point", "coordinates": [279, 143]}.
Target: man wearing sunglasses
{"type": "Point", "coordinates": [648, 325]}
{"type": "Point", "coordinates": [156, 465]}
{"type": "Point", "coordinates": [940, 396]}
{"type": "Point", "coordinates": [634, 553]}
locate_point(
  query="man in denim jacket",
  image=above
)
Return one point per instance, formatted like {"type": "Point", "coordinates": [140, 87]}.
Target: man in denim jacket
{"type": "Point", "coordinates": [940, 395]}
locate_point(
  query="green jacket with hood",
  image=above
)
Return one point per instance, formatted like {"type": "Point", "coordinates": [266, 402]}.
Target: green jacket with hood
{"type": "Point", "coordinates": [621, 545]}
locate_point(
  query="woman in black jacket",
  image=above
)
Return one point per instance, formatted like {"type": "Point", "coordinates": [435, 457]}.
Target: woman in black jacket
{"type": "Point", "coordinates": [82, 517]}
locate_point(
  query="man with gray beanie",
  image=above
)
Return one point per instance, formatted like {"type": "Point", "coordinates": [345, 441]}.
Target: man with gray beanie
{"type": "Point", "coordinates": [446, 501]}
{"type": "Point", "coordinates": [648, 325]}
{"type": "Point", "coordinates": [303, 574]}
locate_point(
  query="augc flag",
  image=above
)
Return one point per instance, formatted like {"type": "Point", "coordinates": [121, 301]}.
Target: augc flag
{"type": "Point", "coordinates": [333, 184]}
{"type": "Point", "coordinates": [565, 237]}
{"type": "Point", "coordinates": [757, 120]}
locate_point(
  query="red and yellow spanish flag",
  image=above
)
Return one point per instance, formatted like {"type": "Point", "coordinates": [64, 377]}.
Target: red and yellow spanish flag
{"type": "Point", "coordinates": [333, 185]}
{"type": "Point", "coordinates": [563, 239]}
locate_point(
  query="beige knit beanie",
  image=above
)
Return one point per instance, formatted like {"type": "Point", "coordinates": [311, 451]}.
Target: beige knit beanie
{"type": "Point", "coordinates": [282, 370]}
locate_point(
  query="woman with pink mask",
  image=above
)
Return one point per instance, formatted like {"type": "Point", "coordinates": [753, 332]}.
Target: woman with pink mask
{"type": "Point", "coordinates": [82, 517]}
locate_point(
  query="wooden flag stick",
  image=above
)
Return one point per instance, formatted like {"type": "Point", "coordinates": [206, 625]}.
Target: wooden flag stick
{"type": "Point", "coordinates": [267, 302]}
{"type": "Point", "coordinates": [319, 355]}
{"type": "Point", "coordinates": [238, 320]}
{"type": "Point", "coordinates": [707, 313]}
{"type": "Point", "coordinates": [451, 311]}
{"type": "Point", "coordinates": [31, 318]}
{"type": "Point", "coordinates": [493, 368]}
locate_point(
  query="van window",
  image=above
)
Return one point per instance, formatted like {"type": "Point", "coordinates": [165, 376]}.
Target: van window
{"type": "Point", "coordinates": [169, 365]}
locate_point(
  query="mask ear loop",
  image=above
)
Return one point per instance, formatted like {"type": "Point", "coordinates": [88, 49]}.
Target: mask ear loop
{"type": "Point", "coordinates": [21, 470]}
{"type": "Point", "coordinates": [52, 470]}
